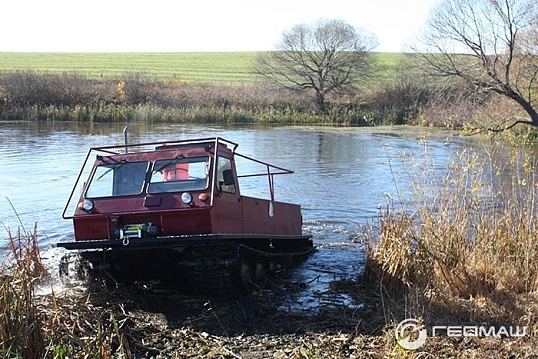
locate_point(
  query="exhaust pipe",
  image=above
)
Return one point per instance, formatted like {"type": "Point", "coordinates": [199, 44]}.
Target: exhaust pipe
{"type": "Point", "coordinates": [125, 138]}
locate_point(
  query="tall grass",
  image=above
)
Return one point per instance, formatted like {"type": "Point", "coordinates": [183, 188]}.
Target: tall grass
{"type": "Point", "coordinates": [463, 248]}
{"type": "Point", "coordinates": [49, 326]}
{"type": "Point", "coordinates": [20, 329]}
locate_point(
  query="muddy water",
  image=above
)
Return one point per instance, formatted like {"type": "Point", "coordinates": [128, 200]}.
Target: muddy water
{"type": "Point", "coordinates": [341, 177]}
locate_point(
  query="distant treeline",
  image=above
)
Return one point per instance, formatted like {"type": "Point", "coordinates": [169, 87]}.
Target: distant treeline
{"type": "Point", "coordinates": [29, 95]}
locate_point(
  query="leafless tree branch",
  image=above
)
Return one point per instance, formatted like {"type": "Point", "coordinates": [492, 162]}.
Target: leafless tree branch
{"type": "Point", "coordinates": [491, 44]}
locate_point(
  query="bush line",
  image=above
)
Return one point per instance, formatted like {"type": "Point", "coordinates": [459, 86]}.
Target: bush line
{"type": "Point", "coordinates": [39, 96]}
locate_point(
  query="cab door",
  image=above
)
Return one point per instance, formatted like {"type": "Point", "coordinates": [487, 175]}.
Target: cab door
{"type": "Point", "coordinates": [227, 212]}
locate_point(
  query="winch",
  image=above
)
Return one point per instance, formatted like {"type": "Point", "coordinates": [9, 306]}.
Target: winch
{"type": "Point", "coordinates": [136, 231]}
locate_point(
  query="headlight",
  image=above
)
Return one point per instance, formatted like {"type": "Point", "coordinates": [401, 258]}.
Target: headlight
{"type": "Point", "coordinates": [86, 205]}
{"type": "Point", "coordinates": [186, 198]}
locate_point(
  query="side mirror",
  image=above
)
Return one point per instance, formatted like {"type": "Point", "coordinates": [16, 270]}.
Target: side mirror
{"type": "Point", "coordinates": [228, 177]}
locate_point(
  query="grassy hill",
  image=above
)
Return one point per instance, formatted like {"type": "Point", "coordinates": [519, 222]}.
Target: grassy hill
{"type": "Point", "coordinates": [210, 67]}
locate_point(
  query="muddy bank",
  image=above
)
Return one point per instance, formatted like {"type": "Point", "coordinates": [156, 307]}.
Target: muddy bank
{"type": "Point", "coordinates": [163, 322]}
{"type": "Point", "coordinates": [312, 311]}
{"type": "Point", "coordinates": [155, 320]}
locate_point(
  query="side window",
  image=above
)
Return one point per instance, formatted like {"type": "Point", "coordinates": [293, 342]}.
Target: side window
{"type": "Point", "coordinates": [225, 179]}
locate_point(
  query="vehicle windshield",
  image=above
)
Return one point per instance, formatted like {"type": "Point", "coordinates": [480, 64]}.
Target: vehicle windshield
{"type": "Point", "coordinates": [118, 179]}
{"type": "Point", "coordinates": [179, 175]}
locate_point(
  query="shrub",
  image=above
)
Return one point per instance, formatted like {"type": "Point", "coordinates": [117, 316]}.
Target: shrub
{"type": "Point", "coordinates": [65, 97]}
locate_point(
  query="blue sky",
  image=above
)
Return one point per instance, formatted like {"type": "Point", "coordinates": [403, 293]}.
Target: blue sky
{"type": "Point", "coordinates": [202, 25]}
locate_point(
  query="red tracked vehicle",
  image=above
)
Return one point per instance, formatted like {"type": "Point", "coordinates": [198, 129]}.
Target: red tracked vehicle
{"type": "Point", "coordinates": [146, 207]}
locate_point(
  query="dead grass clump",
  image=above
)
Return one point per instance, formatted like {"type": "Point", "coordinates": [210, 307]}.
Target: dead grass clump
{"type": "Point", "coordinates": [20, 330]}
{"type": "Point", "coordinates": [466, 250]}
{"type": "Point", "coordinates": [51, 326]}
{"type": "Point", "coordinates": [75, 326]}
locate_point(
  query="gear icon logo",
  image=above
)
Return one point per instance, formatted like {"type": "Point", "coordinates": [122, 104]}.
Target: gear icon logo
{"type": "Point", "coordinates": [410, 334]}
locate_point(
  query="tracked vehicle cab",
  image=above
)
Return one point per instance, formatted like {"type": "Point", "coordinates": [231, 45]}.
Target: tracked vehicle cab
{"type": "Point", "coordinates": [179, 195]}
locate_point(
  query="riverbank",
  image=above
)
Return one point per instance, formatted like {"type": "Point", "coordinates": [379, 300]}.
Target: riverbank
{"type": "Point", "coordinates": [157, 323]}
{"type": "Point", "coordinates": [148, 320]}
{"type": "Point", "coordinates": [133, 97]}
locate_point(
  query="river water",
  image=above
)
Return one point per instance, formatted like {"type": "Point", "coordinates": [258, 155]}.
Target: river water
{"type": "Point", "coordinates": [341, 177]}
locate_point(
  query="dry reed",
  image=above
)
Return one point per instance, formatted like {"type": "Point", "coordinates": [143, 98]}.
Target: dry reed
{"type": "Point", "coordinates": [51, 326]}
{"type": "Point", "coordinates": [464, 248]}
{"type": "Point", "coordinates": [20, 330]}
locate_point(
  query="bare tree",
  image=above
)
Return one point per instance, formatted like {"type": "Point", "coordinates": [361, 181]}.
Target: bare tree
{"type": "Point", "coordinates": [328, 56]}
{"type": "Point", "coordinates": [492, 44]}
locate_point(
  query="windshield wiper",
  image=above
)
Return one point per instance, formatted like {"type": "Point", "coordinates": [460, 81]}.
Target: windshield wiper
{"type": "Point", "coordinates": [174, 160]}
{"type": "Point", "coordinates": [116, 166]}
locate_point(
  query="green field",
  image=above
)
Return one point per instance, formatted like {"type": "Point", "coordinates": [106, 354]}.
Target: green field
{"type": "Point", "coordinates": [213, 67]}
{"type": "Point", "coordinates": [210, 67]}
